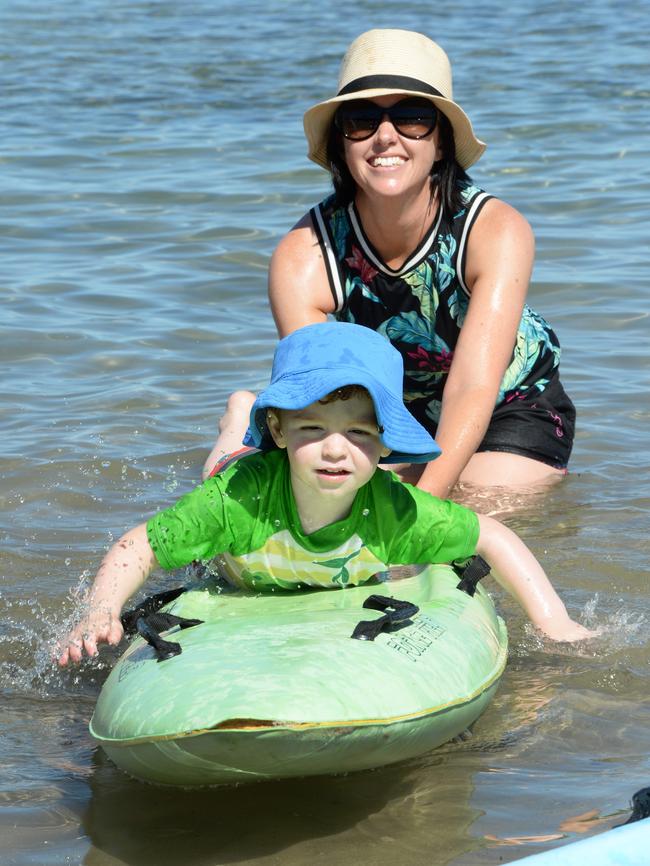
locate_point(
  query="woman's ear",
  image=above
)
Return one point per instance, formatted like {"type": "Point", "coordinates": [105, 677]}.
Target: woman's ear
{"type": "Point", "coordinates": [275, 428]}
{"type": "Point", "coordinates": [385, 452]}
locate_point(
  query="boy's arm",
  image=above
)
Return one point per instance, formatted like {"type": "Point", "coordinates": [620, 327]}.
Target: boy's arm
{"type": "Point", "coordinates": [517, 570]}
{"type": "Point", "coordinates": [126, 566]}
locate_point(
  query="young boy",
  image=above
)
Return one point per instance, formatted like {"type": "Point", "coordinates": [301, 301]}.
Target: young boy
{"type": "Point", "coordinates": [308, 506]}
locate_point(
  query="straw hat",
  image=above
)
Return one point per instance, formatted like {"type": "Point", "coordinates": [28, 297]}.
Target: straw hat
{"type": "Point", "coordinates": [393, 62]}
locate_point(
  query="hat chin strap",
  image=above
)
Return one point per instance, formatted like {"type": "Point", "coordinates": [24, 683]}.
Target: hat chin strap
{"type": "Point", "coordinates": [393, 82]}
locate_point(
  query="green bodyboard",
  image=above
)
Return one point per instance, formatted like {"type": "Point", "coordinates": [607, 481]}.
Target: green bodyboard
{"type": "Point", "coordinates": [274, 686]}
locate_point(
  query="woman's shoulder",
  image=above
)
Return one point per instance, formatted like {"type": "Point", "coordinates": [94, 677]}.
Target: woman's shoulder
{"type": "Point", "coordinates": [476, 197]}
{"type": "Point", "coordinates": [299, 289]}
{"type": "Point", "coordinates": [501, 244]}
{"type": "Point", "coordinates": [500, 219]}
{"type": "Point", "coordinates": [296, 256]}
{"type": "Point", "coordinates": [302, 237]}
{"type": "Point", "coordinates": [487, 216]}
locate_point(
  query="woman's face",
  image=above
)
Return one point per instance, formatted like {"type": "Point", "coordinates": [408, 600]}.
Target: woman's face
{"type": "Point", "coordinates": [389, 164]}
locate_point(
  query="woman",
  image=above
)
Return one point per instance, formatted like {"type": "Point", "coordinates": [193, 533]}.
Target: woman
{"type": "Point", "coordinates": [408, 246]}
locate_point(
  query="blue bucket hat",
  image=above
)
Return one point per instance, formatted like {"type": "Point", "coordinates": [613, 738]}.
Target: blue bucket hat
{"type": "Point", "coordinates": [315, 360]}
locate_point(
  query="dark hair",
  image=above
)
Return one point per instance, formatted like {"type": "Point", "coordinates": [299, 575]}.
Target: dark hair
{"type": "Point", "coordinates": [446, 173]}
{"type": "Point", "coordinates": [344, 393]}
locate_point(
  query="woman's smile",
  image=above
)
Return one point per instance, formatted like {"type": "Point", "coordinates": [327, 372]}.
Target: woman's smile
{"type": "Point", "coordinates": [386, 161]}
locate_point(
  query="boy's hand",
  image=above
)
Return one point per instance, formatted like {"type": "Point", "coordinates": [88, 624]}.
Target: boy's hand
{"type": "Point", "coordinates": [568, 631]}
{"type": "Point", "coordinates": [517, 570]}
{"type": "Point", "coordinates": [96, 627]}
{"type": "Point", "coordinates": [124, 569]}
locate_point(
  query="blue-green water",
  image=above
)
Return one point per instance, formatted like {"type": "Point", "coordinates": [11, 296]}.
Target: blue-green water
{"type": "Point", "coordinates": [151, 157]}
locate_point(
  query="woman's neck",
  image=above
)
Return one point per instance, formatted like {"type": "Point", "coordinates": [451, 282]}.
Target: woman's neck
{"type": "Point", "coordinates": [396, 227]}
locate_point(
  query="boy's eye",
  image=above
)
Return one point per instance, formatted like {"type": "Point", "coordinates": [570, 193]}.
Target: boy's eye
{"type": "Point", "coordinates": [359, 432]}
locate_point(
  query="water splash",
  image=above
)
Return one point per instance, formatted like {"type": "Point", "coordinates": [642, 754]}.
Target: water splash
{"type": "Point", "coordinates": [616, 630]}
{"type": "Point", "coordinates": [171, 482]}
{"type": "Point", "coordinates": [30, 633]}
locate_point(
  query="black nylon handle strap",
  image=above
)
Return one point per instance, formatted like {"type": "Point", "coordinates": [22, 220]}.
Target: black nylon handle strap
{"type": "Point", "coordinates": [470, 572]}
{"type": "Point", "coordinates": [164, 649]}
{"type": "Point", "coordinates": [640, 807]}
{"type": "Point", "coordinates": [147, 606]}
{"type": "Point", "coordinates": [396, 613]}
{"type": "Point", "coordinates": [149, 627]}
{"type": "Point", "coordinates": [162, 621]}
{"type": "Point", "coordinates": [148, 621]}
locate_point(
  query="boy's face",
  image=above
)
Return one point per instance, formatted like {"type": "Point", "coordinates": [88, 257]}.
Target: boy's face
{"type": "Point", "coordinates": [333, 448]}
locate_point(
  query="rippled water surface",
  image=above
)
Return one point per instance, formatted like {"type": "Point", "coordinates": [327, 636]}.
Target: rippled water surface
{"type": "Point", "coordinates": [151, 156]}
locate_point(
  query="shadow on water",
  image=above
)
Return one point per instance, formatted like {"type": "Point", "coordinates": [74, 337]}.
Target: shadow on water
{"type": "Point", "coordinates": [386, 811]}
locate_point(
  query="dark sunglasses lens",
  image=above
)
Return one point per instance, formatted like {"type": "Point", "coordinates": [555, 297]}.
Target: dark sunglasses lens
{"type": "Point", "coordinates": [413, 120]}
{"type": "Point", "coordinates": [357, 122]}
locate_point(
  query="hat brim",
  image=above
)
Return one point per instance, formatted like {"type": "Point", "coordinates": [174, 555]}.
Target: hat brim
{"type": "Point", "coordinates": [407, 438]}
{"type": "Point", "coordinates": [319, 118]}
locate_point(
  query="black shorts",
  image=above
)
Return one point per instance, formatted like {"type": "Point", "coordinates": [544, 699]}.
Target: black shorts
{"type": "Point", "coordinates": [541, 427]}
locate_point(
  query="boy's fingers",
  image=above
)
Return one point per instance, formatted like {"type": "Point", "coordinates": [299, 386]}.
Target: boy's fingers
{"type": "Point", "coordinates": [115, 633]}
{"type": "Point", "coordinates": [76, 649]}
{"type": "Point", "coordinates": [569, 633]}
{"type": "Point", "coordinates": [90, 645]}
{"type": "Point", "coordinates": [86, 643]}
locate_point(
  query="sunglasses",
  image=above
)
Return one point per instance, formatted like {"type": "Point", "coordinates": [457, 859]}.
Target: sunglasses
{"type": "Point", "coordinates": [360, 119]}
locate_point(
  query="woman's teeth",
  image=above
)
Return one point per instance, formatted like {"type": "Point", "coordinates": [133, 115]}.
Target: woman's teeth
{"type": "Point", "coordinates": [386, 161]}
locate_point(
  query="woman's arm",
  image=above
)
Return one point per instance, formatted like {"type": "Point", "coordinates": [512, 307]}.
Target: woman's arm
{"type": "Point", "coordinates": [499, 264]}
{"type": "Point", "coordinates": [300, 295]}
{"type": "Point", "coordinates": [299, 289]}
{"type": "Point", "coordinates": [124, 569]}
{"type": "Point", "coordinates": [520, 574]}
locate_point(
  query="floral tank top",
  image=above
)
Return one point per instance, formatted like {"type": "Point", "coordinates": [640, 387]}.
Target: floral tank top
{"type": "Point", "coordinates": [421, 306]}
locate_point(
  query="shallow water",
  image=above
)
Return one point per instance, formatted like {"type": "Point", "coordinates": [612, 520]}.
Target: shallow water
{"type": "Point", "coordinates": [152, 155]}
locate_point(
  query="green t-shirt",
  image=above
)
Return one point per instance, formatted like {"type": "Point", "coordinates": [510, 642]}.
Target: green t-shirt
{"type": "Point", "coordinates": [246, 519]}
